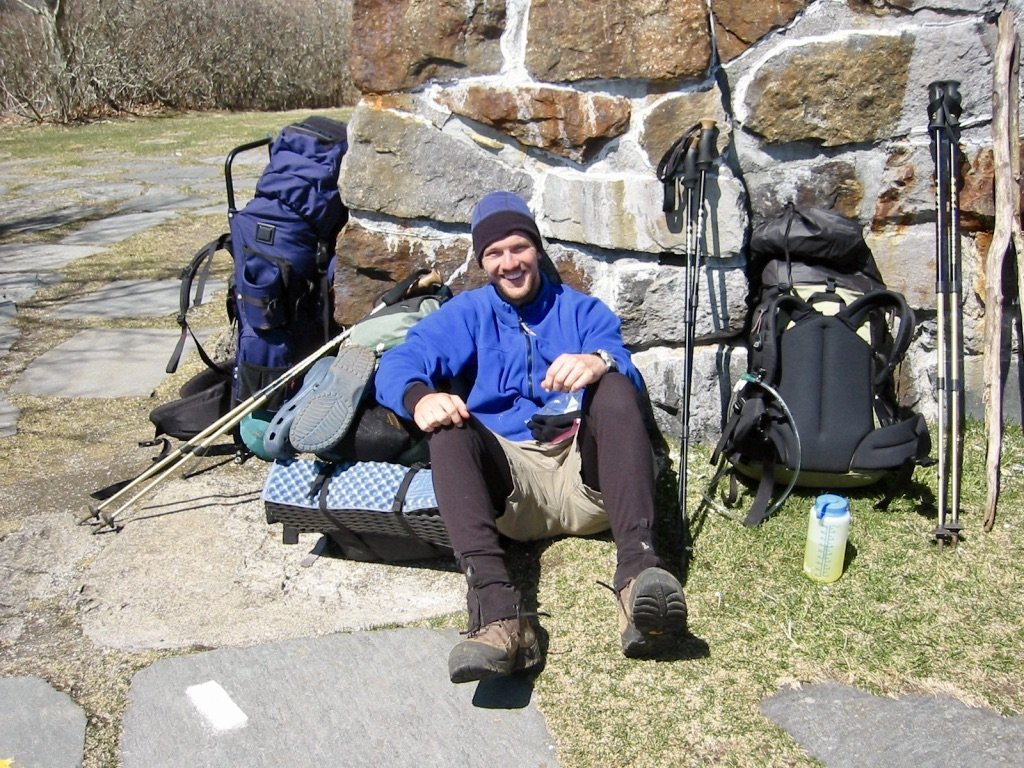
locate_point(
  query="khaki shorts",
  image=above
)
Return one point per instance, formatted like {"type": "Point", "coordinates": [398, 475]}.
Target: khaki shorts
{"type": "Point", "coordinates": [548, 496]}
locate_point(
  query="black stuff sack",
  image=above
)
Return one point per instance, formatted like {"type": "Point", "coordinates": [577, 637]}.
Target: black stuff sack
{"type": "Point", "coordinates": [202, 400]}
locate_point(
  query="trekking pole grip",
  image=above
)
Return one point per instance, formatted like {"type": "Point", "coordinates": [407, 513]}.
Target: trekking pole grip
{"type": "Point", "coordinates": [690, 172]}
{"type": "Point", "coordinates": [944, 106]}
{"type": "Point", "coordinates": [707, 145]}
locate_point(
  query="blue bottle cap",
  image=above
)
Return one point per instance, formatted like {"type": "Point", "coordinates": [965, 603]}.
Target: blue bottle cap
{"type": "Point", "coordinates": [830, 504]}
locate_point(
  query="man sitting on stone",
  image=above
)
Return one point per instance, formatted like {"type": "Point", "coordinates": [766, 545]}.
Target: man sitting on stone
{"type": "Point", "coordinates": [526, 343]}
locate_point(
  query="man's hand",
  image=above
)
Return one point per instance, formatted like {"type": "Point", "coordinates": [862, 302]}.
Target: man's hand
{"type": "Point", "coordinates": [569, 373]}
{"type": "Point", "coordinates": [439, 409]}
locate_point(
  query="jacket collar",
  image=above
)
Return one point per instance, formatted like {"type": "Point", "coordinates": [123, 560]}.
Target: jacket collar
{"type": "Point", "coordinates": [531, 313]}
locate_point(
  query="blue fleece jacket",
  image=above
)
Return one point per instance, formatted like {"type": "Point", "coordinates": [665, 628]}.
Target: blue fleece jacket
{"type": "Point", "coordinates": [505, 350]}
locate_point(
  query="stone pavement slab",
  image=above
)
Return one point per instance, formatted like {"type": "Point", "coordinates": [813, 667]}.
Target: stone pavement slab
{"type": "Point", "coordinates": [166, 175]}
{"type": "Point", "coordinates": [163, 200]}
{"type": "Point", "coordinates": [9, 414]}
{"type": "Point", "coordinates": [32, 258]}
{"type": "Point", "coordinates": [847, 728]}
{"type": "Point", "coordinates": [216, 574]}
{"type": "Point", "coordinates": [117, 228]}
{"type": "Point", "coordinates": [44, 728]}
{"type": "Point", "coordinates": [101, 363]}
{"type": "Point", "coordinates": [132, 298]}
{"type": "Point", "coordinates": [8, 331]}
{"type": "Point", "coordinates": [18, 288]}
{"type": "Point", "coordinates": [365, 699]}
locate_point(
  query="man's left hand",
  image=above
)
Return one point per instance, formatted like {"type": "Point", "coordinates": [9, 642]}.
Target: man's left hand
{"type": "Point", "coordinates": [569, 373]}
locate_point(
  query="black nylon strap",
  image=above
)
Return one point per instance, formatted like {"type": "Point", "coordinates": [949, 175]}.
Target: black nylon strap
{"type": "Point", "coordinates": [345, 535]}
{"type": "Point", "coordinates": [200, 264]}
{"type": "Point", "coordinates": [759, 509]}
{"type": "Point", "coordinates": [399, 502]}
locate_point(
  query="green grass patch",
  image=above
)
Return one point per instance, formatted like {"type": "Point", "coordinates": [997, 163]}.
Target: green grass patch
{"type": "Point", "coordinates": [907, 616]}
{"type": "Point", "coordinates": [192, 134]}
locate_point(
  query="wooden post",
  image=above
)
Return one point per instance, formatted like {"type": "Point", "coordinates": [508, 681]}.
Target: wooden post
{"type": "Point", "coordinates": [1007, 236]}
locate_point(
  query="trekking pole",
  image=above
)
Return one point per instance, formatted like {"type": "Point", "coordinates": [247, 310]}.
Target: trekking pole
{"type": "Point", "coordinates": [943, 125]}
{"type": "Point", "coordinates": [956, 335]}
{"type": "Point", "coordinates": [703, 155]}
{"type": "Point", "coordinates": [196, 445]}
{"type": "Point", "coordinates": [690, 179]}
{"type": "Point", "coordinates": [936, 128]}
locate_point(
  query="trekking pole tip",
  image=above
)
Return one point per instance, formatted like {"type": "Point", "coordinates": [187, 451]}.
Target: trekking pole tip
{"type": "Point", "coordinates": [92, 515]}
{"type": "Point", "coordinates": [109, 521]}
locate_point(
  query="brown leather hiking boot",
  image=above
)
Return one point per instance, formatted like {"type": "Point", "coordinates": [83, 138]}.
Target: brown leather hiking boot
{"type": "Point", "coordinates": [499, 648]}
{"type": "Point", "coordinates": [652, 613]}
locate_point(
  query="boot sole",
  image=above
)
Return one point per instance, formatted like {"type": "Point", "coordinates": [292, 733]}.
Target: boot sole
{"type": "Point", "coordinates": [467, 666]}
{"type": "Point", "coordinates": [659, 614]}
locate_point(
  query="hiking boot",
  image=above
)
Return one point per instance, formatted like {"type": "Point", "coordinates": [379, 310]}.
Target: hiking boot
{"type": "Point", "coordinates": [499, 648]}
{"type": "Point", "coordinates": [652, 613]}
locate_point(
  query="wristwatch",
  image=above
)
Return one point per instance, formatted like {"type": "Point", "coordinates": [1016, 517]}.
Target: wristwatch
{"type": "Point", "coordinates": [607, 359]}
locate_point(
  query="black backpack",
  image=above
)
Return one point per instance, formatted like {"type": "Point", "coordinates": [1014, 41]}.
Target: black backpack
{"type": "Point", "coordinates": [818, 406]}
{"type": "Point", "coordinates": [282, 247]}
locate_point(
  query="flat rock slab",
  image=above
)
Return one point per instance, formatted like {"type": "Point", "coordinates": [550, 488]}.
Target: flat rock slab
{"type": "Point", "coordinates": [847, 728]}
{"type": "Point", "coordinates": [8, 331]}
{"type": "Point", "coordinates": [132, 298]}
{"type": "Point", "coordinates": [38, 725]}
{"type": "Point", "coordinates": [117, 228]}
{"type": "Point", "coordinates": [165, 175]}
{"type": "Point", "coordinates": [364, 699]}
{"type": "Point", "coordinates": [9, 414]}
{"type": "Point", "coordinates": [17, 288]}
{"type": "Point", "coordinates": [163, 200]}
{"type": "Point", "coordinates": [33, 258]}
{"type": "Point", "coordinates": [197, 564]}
{"type": "Point", "coordinates": [101, 363]}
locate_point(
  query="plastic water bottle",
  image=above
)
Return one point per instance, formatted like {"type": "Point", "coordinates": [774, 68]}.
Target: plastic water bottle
{"type": "Point", "coordinates": [827, 529]}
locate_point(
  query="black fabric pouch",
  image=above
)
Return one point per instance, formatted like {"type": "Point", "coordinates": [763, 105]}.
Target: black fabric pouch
{"type": "Point", "coordinates": [547, 427]}
{"type": "Point", "coordinates": [202, 400]}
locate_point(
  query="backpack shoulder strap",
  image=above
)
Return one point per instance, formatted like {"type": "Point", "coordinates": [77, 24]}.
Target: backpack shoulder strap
{"type": "Point", "coordinates": [758, 511]}
{"type": "Point", "coordinates": [769, 321]}
{"type": "Point", "coordinates": [200, 265]}
{"type": "Point", "coordinates": [857, 313]}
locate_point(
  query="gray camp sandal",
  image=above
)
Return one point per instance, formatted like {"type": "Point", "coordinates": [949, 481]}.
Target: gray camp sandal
{"type": "Point", "coordinates": [276, 444]}
{"type": "Point", "coordinates": [325, 416]}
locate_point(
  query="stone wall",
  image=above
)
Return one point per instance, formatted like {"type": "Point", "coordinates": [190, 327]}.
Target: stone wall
{"type": "Point", "coordinates": [572, 104]}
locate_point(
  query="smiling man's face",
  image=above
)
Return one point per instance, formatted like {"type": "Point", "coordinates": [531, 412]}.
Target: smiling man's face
{"type": "Point", "coordinates": [512, 265]}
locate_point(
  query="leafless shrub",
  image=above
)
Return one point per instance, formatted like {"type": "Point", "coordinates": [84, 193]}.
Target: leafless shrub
{"type": "Point", "coordinates": [66, 59]}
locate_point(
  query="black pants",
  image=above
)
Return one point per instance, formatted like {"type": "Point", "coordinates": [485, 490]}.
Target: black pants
{"type": "Point", "coordinates": [472, 481]}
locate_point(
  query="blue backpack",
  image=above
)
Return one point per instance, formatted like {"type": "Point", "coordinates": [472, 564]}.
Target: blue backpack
{"type": "Point", "coordinates": [282, 244]}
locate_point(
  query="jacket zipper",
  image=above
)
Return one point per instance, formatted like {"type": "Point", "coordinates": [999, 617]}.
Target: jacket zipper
{"type": "Point", "coordinates": [527, 333]}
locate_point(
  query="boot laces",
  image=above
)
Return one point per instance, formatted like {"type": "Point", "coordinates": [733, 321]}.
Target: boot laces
{"type": "Point", "coordinates": [520, 615]}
